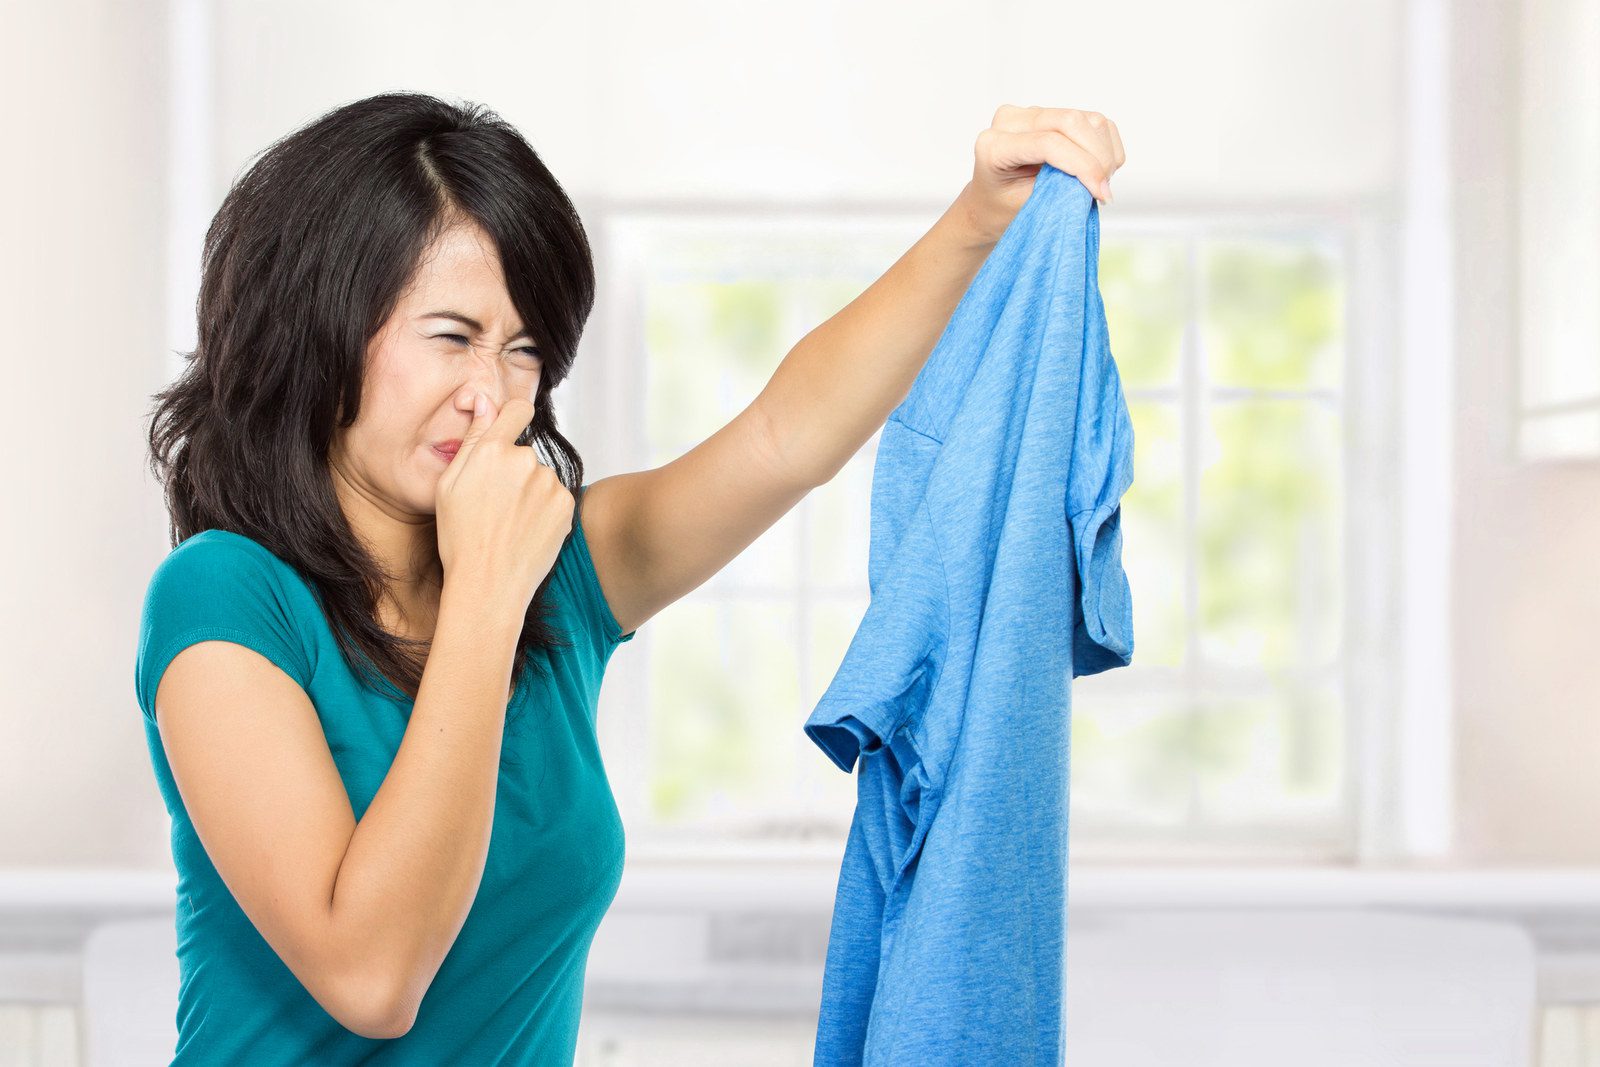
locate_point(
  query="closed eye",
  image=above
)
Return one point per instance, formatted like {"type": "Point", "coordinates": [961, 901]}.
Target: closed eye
{"type": "Point", "coordinates": [529, 351]}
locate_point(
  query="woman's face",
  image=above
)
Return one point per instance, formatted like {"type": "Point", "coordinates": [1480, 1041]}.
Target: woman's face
{"type": "Point", "coordinates": [424, 370]}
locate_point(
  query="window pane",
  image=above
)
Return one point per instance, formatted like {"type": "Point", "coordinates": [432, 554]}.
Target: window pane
{"type": "Point", "coordinates": [712, 346]}
{"type": "Point", "coordinates": [1155, 538]}
{"type": "Point", "coordinates": [1272, 314]}
{"type": "Point", "coordinates": [697, 728]}
{"type": "Point", "coordinates": [1276, 757]}
{"type": "Point", "coordinates": [1270, 549]}
{"type": "Point", "coordinates": [1144, 285]}
{"type": "Point", "coordinates": [723, 680]}
{"type": "Point", "coordinates": [838, 523]}
{"type": "Point", "coordinates": [683, 381]}
{"type": "Point", "coordinates": [1229, 767]}
{"type": "Point", "coordinates": [1132, 759]}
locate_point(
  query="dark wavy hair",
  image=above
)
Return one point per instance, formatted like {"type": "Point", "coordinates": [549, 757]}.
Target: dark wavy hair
{"type": "Point", "coordinates": [304, 262]}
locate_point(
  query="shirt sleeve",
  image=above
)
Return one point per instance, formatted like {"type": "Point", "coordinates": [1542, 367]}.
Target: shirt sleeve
{"type": "Point", "coordinates": [215, 587]}
{"type": "Point", "coordinates": [890, 669]}
{"type": "Point", "coordinates": [1101, 472]}
{"type": "Point", "coordinates": [592, 597]}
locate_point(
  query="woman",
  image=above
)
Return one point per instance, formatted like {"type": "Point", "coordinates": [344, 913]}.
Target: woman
{"type": "Point", "coordinates": [369, 666]}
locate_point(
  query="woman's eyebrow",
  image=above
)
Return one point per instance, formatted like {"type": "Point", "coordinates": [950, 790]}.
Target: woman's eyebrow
{"type": "Point", "coordinates": [471, 322]}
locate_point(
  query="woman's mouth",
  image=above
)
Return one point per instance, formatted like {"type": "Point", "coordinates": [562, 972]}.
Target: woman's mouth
{"type": "Point", "coordinates": [447, 456]}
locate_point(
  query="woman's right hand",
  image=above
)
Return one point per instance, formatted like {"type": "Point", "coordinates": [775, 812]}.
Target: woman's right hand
{"type": "Point", "coordinates": [501, 516]}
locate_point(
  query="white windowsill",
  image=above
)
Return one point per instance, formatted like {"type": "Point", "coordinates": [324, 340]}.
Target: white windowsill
{"type": "Point", "coordinates": [45, 916]}
{"type": "Point", "coordinates": [68, 898]}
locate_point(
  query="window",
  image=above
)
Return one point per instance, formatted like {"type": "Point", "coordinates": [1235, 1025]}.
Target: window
{"type": "Point", "coordinates": [1558, 190]}
{"type": "Point", "coordinates": [1228, 734]}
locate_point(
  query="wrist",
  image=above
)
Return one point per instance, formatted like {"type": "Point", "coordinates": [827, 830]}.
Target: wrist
{"type": "Point", "coordinates": [482, 600]}
{"type": "Point", "coordinates": [966, 224]}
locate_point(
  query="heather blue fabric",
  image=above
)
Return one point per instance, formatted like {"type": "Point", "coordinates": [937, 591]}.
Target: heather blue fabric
{"type": "Point", "coordinates": [995, 568]}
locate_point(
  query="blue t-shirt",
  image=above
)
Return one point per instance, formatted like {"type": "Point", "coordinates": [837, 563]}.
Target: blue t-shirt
{"type": "Point", "coordinates": [511, 987]}
{"type": "Point", "coordinates": [995, 568]}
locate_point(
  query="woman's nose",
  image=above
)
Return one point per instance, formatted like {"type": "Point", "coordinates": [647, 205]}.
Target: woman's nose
{"type": "Point", "coordinates": [485, 373]}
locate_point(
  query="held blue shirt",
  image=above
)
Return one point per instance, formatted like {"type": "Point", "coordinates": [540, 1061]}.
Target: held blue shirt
{"type": "Point", "coordinates": [511, 987]}
{"type": "Point", "coordinates": [995, 569]}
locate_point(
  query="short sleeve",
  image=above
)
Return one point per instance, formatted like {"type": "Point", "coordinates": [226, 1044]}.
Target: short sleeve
{"type": "Point", "coordinates": [887, 677]}
{"type": "Point", "coordinates": [588, 580]}
{"type": "Point", "coordinates": [1100, 474]}
{"type": "Point", "coordinates": [215, 586]}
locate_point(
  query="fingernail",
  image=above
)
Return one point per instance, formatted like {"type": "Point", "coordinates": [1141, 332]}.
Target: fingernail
{"type": "Point", "coordinates": [479, 405]}
{"type": "Point", "coordinates": [1105, 188]}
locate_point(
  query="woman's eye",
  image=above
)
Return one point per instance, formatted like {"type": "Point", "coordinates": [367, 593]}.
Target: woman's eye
{"type": "Point", "coordinates": [529, 354]}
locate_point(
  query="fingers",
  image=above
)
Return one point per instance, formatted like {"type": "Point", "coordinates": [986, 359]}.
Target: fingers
{"type": "Point", "coordinates": [1063, 153]}
{"type": "Point", "coordinates": [1116, 141]}
{"type": "Point", "coordinates": [512, 418]}
{"type": "Point", "coordinates": [489, 423]}
{"type": "Point", "coordinates": [1096, 152]}
{"type": "Point", "coordinates": [1016, 149]}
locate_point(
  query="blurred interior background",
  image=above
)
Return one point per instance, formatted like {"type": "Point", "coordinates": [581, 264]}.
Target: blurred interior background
{"type": "Point", "coordinates": [1352, 273]}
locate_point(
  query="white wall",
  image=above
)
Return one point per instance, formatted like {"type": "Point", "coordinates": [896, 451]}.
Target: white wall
{"type": "Point", "coordinates": [1527, 568]}
{"type": "Point", "coordinates": [81, 303]}
{"type": "Point", "coordinates": [725, 100]}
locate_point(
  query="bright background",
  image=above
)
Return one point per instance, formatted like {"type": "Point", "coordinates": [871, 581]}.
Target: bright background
{"type": "Point", "coordinates": [1353, 277]}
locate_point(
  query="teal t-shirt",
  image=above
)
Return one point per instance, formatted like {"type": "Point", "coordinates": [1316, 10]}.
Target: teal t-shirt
{"type": "Point", "coordinates": [510, 989]}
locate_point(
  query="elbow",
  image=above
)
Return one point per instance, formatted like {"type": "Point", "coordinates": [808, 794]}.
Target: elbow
{"type": "Point", "coordinates": [784, 458]}
{"type": "Point", "coordinates": [369, 986]}
{"type": "Point", "coordinates": [375, 1009]}
{"type": "Point", "coordinates": [387, 1022]}
{"type": "Point", "coordinates": [388, 1027]}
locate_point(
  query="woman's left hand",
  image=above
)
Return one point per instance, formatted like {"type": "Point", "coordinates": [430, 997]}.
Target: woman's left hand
{"type": "Point", "coordinates": [1084, 144]}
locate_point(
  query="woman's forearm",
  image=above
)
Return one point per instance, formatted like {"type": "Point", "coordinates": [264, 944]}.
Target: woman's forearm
{"type": "Point", "coordinates": [417, 856]}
